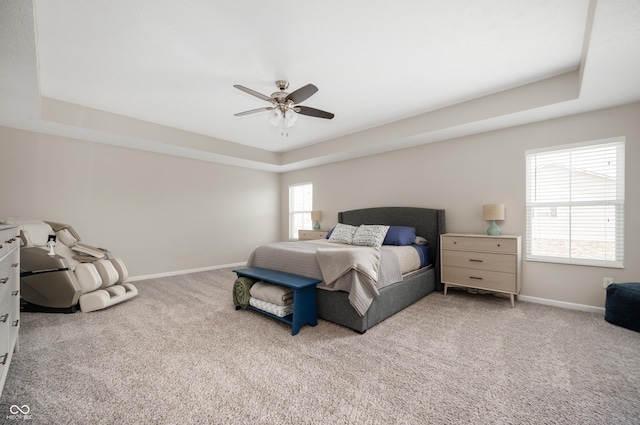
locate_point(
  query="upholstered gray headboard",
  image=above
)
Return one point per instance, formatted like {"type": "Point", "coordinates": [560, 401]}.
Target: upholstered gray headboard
{"type": "Point", "coordinates": [429, 223]}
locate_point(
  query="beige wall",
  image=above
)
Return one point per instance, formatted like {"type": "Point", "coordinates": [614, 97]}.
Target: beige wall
{"type": "Point", "coordinates": [462, 174]}
{"type": "Point", "coordinates": [158, 213]}
{"type": "Point", "coordinates": [165, 214]}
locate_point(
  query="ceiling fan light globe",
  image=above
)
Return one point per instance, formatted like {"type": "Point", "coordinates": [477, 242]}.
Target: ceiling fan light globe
{"type": "Point", "coordinates": [290, 118]}
{"type": "Point", "coordinates": [275, 117]}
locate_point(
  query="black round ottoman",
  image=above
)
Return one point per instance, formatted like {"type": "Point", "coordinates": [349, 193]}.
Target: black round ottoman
{"type": "Point", "coordinates": [622, 306]}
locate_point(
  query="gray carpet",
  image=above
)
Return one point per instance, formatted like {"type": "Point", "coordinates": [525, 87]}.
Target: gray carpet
{"type": "Point", "coordinates": [181, 354]}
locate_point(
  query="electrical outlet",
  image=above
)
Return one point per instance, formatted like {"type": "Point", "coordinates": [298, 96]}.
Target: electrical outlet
{"type": "Point", "coordinates": [606, 281]}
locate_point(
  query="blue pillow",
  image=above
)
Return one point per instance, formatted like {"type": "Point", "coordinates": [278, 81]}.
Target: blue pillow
{"type": "Point", "coordinates": [400, 235]}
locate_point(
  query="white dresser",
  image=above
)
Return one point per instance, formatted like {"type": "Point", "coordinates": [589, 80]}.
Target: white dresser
{"type": "Point", "coordinates": [9, 297]}
{"type": "Point", "coordinates": [492, 263]}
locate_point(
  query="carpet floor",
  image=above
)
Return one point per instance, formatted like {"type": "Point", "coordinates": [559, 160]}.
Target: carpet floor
{"type": "Point", "coordinates": [180, 353]}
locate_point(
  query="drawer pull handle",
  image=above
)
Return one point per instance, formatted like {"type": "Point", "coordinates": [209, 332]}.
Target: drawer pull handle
{"type": "Point", "coordinates": [15, 264]}
{"type": "Point", "coordinates": [14, 293]}
{"type": "Point", "coordinates": [4, 280]}
{"type": "Point", "coordinates": [16, 323]}
{"type": "Point", "coordinates": [4, 317]}
{"type": "Point", "coordinates": [476, 261]}
{"type": "Point", "coordinates": [4, 359]}
{"type": "Point", "coordinates": [474, 277]}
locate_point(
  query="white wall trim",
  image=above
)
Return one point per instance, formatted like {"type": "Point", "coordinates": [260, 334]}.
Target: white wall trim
{"type": "Point", "coordinates": [179, 272]}
{"type": "Point", "coordinates": [561, 304]}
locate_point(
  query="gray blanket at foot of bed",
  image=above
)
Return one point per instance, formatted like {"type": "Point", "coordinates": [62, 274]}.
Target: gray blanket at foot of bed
{"type": "Point", "coordinates": [300, 258]}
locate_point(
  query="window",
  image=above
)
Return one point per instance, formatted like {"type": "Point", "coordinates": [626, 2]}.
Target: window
{"type": "Point", "coordinates": [575, 204]}
{"type": "Point", "coordinates": [300, 206]}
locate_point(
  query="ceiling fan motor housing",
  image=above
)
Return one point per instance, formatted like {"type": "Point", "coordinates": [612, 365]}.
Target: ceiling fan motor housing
{"type": "Point", "coordinates": [280, 97]}
{"type": "Point", "coordinates": [282, 84]}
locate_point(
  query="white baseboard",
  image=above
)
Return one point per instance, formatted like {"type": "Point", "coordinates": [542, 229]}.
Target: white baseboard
{"type": "Point", "coordinates": [179, 272]}
{"type": "Point", "coordinates": [561, 304]}
{"type": "Point", "coordinates": [524, 298]}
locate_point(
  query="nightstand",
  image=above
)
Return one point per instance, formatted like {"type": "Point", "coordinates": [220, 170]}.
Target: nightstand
{"type": "Point", "coordinates": [305, 235]}
{"type": "Point", "coordinates": [492, 263]}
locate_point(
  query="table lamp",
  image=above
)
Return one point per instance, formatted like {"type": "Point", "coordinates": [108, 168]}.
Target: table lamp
{"type": "Point", "coordinates": [316, 216]}
{"type": "Point", "coordinates": [493, 212]}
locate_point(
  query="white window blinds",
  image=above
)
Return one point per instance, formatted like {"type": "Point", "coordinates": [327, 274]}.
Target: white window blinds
{"type": "Point", "coordinates": [300, 206]}
{"type": "Point", "coordinates": [575, 204]}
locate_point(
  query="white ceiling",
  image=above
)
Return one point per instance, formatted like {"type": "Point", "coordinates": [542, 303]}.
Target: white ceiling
{"type": "Point", "coordinates": [159, 74]}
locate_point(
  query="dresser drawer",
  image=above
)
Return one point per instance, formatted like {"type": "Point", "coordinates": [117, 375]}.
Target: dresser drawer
{"type": "Point", "coordinates": [8, 240]}
{"type": "Point", "coordinates": [9, 271]}
{"type": "Point", "coordinates": [482, 279]}
{"type": "Point", "coordinates": [13, 295]}
{"type": "Point", "coordinates": [312, 234]}
{"type": "Point", "coordinates": [490, 244]}
{"type": "Point", "coordinates": [7, 313]}
{"type": "Point", "coordinates": [505, 263]}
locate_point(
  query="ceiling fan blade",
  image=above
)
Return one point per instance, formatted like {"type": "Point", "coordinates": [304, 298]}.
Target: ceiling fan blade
{"type": "Point", "coordinates": [302, 94]}
{"type": "Point", "coordinates": [313, 112]}
{"type": "Point", "coordinates": [253, 111]}
{"type": "Point", "coordinates": [252, 92]}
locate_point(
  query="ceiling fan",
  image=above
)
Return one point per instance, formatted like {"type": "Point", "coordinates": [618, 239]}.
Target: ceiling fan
{"type": "Point", "coordinates": [283, 103]}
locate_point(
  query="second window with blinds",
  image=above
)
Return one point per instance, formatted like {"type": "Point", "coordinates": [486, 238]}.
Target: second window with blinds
{"type": "Point", "coordinates": [300, 207]}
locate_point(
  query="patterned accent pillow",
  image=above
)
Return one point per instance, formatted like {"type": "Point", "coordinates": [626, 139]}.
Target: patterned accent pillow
{"type": "Point", "coordinates": [342, 233]}
{"type": "Point", "coordinates": [370, 235]}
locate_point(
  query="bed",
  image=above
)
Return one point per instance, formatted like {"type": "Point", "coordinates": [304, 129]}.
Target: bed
{"type": "Point", "coordinates": [335, 305]}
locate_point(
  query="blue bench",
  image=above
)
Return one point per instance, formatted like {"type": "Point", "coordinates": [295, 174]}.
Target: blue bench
{"type": "Point", "coordinates": [304, 295]}
{"type": "Point", "coordinates": [622, 306]}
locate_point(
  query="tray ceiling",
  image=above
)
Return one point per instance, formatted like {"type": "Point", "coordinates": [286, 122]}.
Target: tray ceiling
{"type": "Point", "coordinates": [159, 75]}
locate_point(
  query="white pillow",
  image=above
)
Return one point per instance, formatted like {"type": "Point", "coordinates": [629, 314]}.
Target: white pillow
{"type": "Point", "coordinates": [370, 235]}
{"type": "Point", "coordinates": [419, 240]}
{"type": "Point", "coordinates": [342, 233]}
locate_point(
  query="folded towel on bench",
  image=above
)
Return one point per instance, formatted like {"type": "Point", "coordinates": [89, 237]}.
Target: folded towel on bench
{"type": "Point", "coordinates": [271, 293]}
{"type": "Point", "coordinates": [276, 310]}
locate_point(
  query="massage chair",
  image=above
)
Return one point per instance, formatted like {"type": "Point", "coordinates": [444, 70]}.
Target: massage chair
{"type": "Point", "coordinates": [59, 273]}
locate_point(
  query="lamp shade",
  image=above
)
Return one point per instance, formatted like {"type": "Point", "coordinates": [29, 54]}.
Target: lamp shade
{"type": "Point", "coordinates": [316, 215]}
{"type": "Point", "coordinates": [493, 211]}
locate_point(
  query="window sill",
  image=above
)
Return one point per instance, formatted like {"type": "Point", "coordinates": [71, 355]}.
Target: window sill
{"type": "Point", "coordinates": [576, 262]}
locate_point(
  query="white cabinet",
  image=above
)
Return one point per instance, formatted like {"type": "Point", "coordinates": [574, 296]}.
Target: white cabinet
{"type": "Point", "coordinates": [9, 297]}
